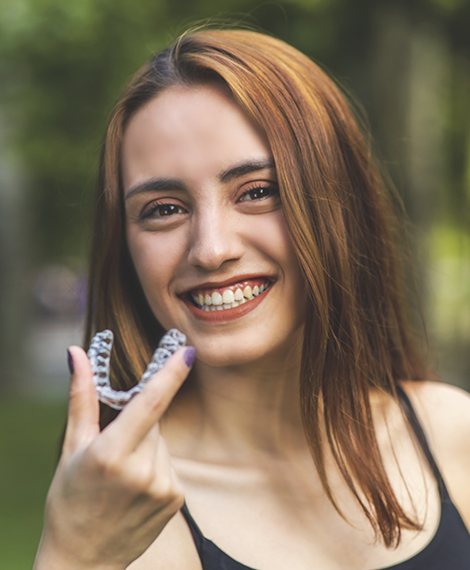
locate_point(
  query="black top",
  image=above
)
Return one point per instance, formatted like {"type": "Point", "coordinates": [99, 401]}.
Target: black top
{"type": "Point", "coordinates": [449, 549]}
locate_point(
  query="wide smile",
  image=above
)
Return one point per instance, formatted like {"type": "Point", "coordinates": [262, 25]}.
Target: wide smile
{"type": "Point", "coordinates": [231, 301]}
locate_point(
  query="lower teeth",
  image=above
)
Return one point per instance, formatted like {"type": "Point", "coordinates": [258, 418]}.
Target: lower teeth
{"type": "Point", "coordinates": [212, 308]}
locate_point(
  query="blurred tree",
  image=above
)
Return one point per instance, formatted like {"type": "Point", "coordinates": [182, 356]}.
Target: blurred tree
{"type": "Point", "coordinates": [14, 297]}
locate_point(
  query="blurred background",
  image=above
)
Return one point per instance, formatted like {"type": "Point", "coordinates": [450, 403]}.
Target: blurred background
{"type": "Point", "coordinates": [62, 65]}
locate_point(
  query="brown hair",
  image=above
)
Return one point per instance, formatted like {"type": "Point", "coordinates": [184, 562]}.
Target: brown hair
{"type": "Point", "coordinates": [344, 230]}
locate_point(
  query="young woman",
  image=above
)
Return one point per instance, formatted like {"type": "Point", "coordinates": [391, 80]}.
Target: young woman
{"type": "Point", "coordinates": [239, 203]}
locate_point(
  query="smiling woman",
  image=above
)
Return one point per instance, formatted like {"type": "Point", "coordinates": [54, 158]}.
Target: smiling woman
{"type": "Point", "coordinates": [239, 202]}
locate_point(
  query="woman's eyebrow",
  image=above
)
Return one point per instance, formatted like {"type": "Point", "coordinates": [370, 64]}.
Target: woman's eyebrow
{"type": "Point", "coordinates": [156, 184]}
{"type": "Point", "coordinates": [245, 168]}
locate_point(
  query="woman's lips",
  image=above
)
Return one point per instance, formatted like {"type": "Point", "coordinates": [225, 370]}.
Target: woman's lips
{"type": "Point", "coordinates": [220, 311]}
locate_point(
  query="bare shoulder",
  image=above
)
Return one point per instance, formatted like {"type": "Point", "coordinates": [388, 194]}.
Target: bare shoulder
{"type": "Point", "coordinates": [444, 410]}
{"type": "Point", "coordinates": [444, 413]}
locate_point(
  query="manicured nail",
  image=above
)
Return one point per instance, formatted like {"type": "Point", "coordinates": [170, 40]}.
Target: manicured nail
{"type": "Point", "coordinates": [189, 356]}
{"type": "Point", "coordinates": [70, 361]}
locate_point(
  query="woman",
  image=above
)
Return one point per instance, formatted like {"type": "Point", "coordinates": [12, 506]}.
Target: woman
{"type": "Point", "coordinates": [239, 203]}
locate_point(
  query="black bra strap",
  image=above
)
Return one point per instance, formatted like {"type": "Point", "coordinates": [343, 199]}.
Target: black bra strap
{"type": "Point", "coordinates": [420, 435]}
{"type": "Point", "coordinates": [198, 537]}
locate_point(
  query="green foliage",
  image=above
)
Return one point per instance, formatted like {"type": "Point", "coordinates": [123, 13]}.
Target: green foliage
{"type": "Point", "coordinates": [450, 255]}
{"type": "Point", "coordinates": [30, 433]}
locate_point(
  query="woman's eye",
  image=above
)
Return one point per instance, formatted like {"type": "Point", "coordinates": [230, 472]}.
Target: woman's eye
{"type": "Point", "coordinates": [259, 193]}
{"type": "Point", "coordinates": [158, 211]}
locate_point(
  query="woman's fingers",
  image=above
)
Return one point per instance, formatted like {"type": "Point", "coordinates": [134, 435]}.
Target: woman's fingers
{"type": "Point", "coordinates": [149, 469]}
{"type": "Point", "coordinates": [166, 486]}
{"type": "Point", "coordinates": [83, 412]}
{"type": "Point", "coordinates": [123, 474]}
{"type": "Point", "coordinates": [146, 451]}
{"type": "Point", "coordinates": [146, 409]}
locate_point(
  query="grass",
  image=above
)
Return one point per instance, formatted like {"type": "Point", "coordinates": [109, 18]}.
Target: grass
{"type": "Point", "coordinates": [29, 435]}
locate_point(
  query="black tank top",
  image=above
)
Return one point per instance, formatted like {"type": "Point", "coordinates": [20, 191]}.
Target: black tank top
{"type": "Point", "coordinates": [449, 549]}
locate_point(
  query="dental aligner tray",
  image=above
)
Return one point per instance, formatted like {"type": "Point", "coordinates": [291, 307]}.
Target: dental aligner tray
{"type": "Point", "coordinates": [99, 354]}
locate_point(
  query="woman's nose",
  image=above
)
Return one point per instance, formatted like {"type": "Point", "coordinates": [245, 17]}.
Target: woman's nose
{"type": "Point", "coordinates": [214, 240]}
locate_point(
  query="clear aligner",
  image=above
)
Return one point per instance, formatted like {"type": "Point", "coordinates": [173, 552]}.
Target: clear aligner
{"type": "Point", "coordinates": [99, 354]}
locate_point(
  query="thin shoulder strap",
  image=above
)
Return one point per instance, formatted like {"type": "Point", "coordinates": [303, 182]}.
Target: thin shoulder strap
{"type": "Point", "coordinates": [198, 537]}
{"type": "Point", "coordinates": [421, 436]}
{"type": "Point", "coordinates": [210, 555]}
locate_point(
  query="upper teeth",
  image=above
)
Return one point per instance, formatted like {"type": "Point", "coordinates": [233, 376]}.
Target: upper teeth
{"type": "Point", "coordinates": [229, 297]}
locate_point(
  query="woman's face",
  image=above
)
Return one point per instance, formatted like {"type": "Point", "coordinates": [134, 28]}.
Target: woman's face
{"type": "Point", "coordinates": [205, 229]}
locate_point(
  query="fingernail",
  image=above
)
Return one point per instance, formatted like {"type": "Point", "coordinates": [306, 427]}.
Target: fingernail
{"type": "Point", "coordinates": [189, 356]}
{"type": "Point", "coordinates": [70, 361]}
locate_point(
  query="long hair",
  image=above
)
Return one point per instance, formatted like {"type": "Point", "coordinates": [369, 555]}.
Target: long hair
{"type": "Point", "coordinates": [344, 228]}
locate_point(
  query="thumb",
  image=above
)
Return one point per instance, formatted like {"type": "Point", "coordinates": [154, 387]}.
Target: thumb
{"type": "Point", "coordinates": [83, 408]}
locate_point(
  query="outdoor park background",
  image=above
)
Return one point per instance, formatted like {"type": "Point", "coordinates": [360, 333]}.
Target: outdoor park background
{"type": "Point", "coordinates": [62, 65]}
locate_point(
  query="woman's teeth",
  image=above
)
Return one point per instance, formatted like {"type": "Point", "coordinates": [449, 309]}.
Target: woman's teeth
{"type": "Point", "coordinates": [228, 298]}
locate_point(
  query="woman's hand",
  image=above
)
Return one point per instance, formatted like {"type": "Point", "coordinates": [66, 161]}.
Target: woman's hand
{"type": "Point", "coordinates": [114, 491]}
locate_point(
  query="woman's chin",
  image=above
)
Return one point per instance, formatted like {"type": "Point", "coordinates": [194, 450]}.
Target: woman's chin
{"type": "Point", "coordinates": [249, 355]}
{"type": "Point", "coordinates": [229, 360]}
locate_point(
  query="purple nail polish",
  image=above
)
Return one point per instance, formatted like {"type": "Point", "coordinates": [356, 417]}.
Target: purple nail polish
{"type": "Point", "coordinates": [189, 356]}
{"type": "Point", "coordinates": [70, 361]}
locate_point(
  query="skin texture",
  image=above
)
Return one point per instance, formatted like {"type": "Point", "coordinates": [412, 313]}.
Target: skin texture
{"type": "Point", "coordinates": [230, 440]}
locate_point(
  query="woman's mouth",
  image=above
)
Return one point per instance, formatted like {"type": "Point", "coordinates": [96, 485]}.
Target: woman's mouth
{"type": "Point", "coordinates": [229, 301]}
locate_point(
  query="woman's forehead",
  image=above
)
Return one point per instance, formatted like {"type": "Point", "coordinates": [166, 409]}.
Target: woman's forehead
{"type": "Point", "coordinates": [192, 131]}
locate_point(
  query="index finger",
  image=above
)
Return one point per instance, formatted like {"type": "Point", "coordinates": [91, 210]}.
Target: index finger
{"type": "Point", "coordinates": [146, 409]}
{"type": "Point", "coordinates": [83, 409]}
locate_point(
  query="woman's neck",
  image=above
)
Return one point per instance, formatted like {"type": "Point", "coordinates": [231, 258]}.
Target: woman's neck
{"type": "Point", "coordinates": [239, 412]}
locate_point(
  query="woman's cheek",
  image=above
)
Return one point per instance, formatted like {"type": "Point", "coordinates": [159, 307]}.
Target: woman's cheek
{"type": "Point", "coordinates": [153, 251]}
{"type": "Point", "coordinates": [158, 260]}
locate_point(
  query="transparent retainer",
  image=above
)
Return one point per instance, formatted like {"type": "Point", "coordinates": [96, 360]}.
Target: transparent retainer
{"type": "Point", "coordinates": [99, 354]}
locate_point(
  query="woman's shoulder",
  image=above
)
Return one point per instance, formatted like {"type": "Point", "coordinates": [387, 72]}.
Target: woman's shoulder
{"type": "Point", "coordinates": [444, 413]}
